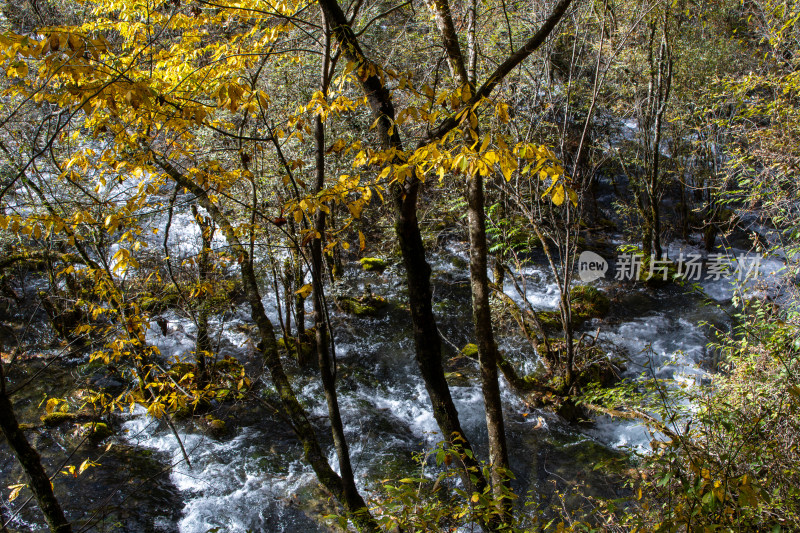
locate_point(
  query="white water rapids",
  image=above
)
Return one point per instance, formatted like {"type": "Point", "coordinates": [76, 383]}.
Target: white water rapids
{"type": "Point", "coordinates": [256, 480]}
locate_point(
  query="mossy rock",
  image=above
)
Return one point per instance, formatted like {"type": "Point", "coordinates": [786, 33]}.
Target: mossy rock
{"type": "Point", "coordinates": [550, 320]}
{"type": "Point", "coordinates": [367, 305]}
{"type": "Point", "coordinates": [214, 426]}
{"type": "Point", "coordinates": [98, 431]}
{"type": "Point", "coordinates": [58, 417]}
{"type": "Point", "coordinates": [470, 350]}
{"type": "Point", "coordinates": [589, 302]}
{"type": "Point", "coordinates": [307, 346]}
{"type": "Point", "coordinates": [373, 264]}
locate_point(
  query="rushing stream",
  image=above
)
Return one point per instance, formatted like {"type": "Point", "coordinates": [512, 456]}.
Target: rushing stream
{"type": "Point", "coordinates": [254, 478]}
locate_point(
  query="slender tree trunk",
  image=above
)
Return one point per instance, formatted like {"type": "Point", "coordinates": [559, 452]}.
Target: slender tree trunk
{"type": "Point", "coordinates": [203, 347]}
{"type": "Point", "coordinates": [472, 42]}
{"type": "Point", "coordinates": [327, 372]}
{"type": "Point", "coordinates": [299, 300]}
{"type": "Point", "coordinates": [479, 280]}
{"type": "Point", "coordinates": [484, 335]}
{"type": "Point", "coordinates": [288, 296]}
{"type": "Point", "coordinates": [444, 21]}
{"type": "Point", "coordinates": [659, 92]}
{"type": "Point", "coordinates": [38, 480]}
{"type": "Point", "coordinates": [427, 341]}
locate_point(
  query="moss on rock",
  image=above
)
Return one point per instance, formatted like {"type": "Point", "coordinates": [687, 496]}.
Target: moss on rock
{"type": "Point", "coordinates": [371, 264]}
{"type": "Point", "coordinates": [213, 426]}
{"type": "Point", "coordinates": [589, 302]}
{"type": "Point", "coordinates": [367, 305]}
{"type": "Point", "coordinates": [470, 350]}
{"type": "Point", "coordinates": [58, 417]}
{"type": "Point", "coordinates": [98, 431]}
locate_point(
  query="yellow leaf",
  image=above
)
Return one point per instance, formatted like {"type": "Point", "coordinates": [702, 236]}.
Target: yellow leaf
{"type": "Point", "coordinates": [361, 241]}
{"type": "Point", "coordinates": [502, 113]}
{"type": "Point", "coordinates": [475, 497]}
{"type": "Point", "coordinates": [466, 93]}
{"type": "Point", "coordinates": [15, 491]}
{"type": "Point", "coordinates": [86, 464]}
{"type": "Point", "coordinates": [51, 405]}
{"type": "Point", "coordinates": [558, 195]}
{"type": "Point", "coordinates": [18, 69]}
{"type": "Point", "coordinates": [573, 196]}
{"type": "Point", "coordinates": [507, 172]}
{"type": "Point", "coordinates": [304, 291]}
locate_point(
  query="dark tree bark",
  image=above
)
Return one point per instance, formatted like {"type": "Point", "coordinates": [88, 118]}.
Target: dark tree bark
{"type": "Point", "coordinates": [657, 97]}
{"type": "Point", "coordinates": [479, 282]}
{"type": "Point", "coordinates": [426, 333]}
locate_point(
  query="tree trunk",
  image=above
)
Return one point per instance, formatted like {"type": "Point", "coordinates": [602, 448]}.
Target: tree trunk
{"type": "Point", "coordinates": [203, 347]}
{"type": "Point", "coordinates": [487, 349]}
{"type": "Point", "coordinates": [299, 305]}
{"type": "Point", "coordinates": [444, 21]}
{"type": "Point", "coordinates": [426, 333]}
{"type": "Point", "coordinates": [327, 372]}
{"type": "Point", "coordinates": [472, 42]}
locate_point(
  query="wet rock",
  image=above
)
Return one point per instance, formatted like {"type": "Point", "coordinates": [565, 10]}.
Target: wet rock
{"type": "Point", "coordinates": [98, 431]}
{"type": "Point", "coordinates": [586, 301]}
{"type": "Point", "coordinates": [57, 418]}
{"type": "Point", "coordinates": [213, 426]}
{"type": "Point", "coordinates": [367, 305]}
{"type": "Point", "coordinates": [107, 384]}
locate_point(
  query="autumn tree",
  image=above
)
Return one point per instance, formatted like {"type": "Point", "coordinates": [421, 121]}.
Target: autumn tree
{"type": "Point", "coordinates": [156, 85]}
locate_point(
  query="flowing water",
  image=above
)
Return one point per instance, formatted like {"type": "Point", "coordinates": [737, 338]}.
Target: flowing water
{"type": "Point", "coordinates": [254, 478]}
